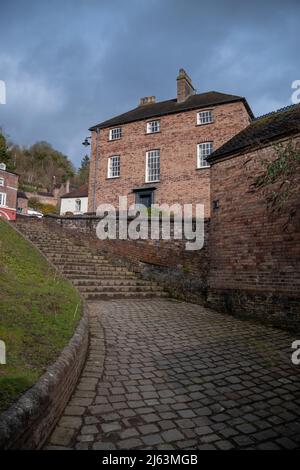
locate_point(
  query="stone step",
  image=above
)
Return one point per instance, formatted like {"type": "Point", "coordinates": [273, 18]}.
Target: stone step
{"type": "Point", "coordinates": [104, 277]}
{"type": "Point", "coordinates": [81, 263]}
{"type": "Point", "coordinates": [111, 282]}
{"type": "Point", "coordinates": [92, 268]}
{"type": "Point", "coordinates": [79, 253]}
{"type": "Point", "coordinates": [108, 288]}
{"type": "Point", "coordinates": [126, 295]}
{"type": "Point", "coordinates": [97, 277]}
{"type": "Point", "coordinates": [89, 271]}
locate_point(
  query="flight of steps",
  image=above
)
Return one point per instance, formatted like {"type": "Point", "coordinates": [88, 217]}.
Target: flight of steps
{"type": "Point", "coordinates": [93, 275]}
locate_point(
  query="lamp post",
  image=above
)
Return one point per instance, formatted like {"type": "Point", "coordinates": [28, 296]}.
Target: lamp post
{"type": "Point", "coordinates": [86, 142]}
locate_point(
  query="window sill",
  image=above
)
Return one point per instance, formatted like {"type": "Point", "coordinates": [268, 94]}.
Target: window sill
{"type": "Point", "coordinates": [152, 133]}
{"type": "Point", "coordinates": [203, 167]}
{"type": "Point", "coordinates": [152, 181]}
{"type": "Point", "coordinates": [112, 177]}
{"type": "Point", "coordinates": [204, 124]}
{"type": "Point", "coordinates": [114, 140]}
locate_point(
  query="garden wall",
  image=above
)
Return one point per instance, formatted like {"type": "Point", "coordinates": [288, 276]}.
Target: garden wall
{"type": "Point", "coordinates": [183, 273]}
{"type": "Point", "coordinates": [254, 246]}
{"type": "Point", "coordinates": [28, 423]}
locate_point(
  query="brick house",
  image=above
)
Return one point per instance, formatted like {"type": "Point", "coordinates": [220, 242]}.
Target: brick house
{"type": "Point", "coordinates": [156, 153]}
{"type": "Point", "coordinates": [22, 203]}
{"type": "Point", "coordinates": [8, 193]}
{"type": "Point", "coordinates": [254, 251]}
{"type": "Point", "coordinates": [75, 202]}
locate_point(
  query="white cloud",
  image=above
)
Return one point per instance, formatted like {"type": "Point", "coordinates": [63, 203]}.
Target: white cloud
{"type": "Point", "coordinates": [27, 92]}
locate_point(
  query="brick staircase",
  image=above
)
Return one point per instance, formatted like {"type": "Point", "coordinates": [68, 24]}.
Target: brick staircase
{"type": "Point", "coordinates": [94, 276]}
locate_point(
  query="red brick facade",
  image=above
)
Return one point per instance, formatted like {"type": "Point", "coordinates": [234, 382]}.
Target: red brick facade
{"type": "Point", "coordinates": [254, 259]}
{"type": "Point", "coordinates": [8, 194]}
{"type": "Point", "coordinates": [180, 180]}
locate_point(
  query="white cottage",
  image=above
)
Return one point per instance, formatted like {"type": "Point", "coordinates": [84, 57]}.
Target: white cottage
{"type": "Point", "coordinates": [75, 202]}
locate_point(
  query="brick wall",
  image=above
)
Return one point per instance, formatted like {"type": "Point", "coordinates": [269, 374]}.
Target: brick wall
{"type": "Point", "coordinates": [254, 261]}
{"type": "Point", "coordinates": [180, 181]}
{"type": "Point", "coordinates": [10, 188]}
{"type": "Point", "coordinates": [182, 272]}
{"type": "Point", "coordinates": [22, 205]}
{"type": "Point", "coordinates": [43, 199]}
{"type": "Point", "coordinates": [27, 424]}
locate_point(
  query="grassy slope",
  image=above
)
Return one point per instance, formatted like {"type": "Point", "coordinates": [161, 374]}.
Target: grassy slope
{"type": "Point", "coordinates": [37, 314]}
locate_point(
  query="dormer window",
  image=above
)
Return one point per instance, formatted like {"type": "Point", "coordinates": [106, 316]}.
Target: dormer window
{"type": "Point", "coordinates": [205, 117]}
{"type": "Point", "coordinates": [153, 127]}
{"type": "Point", "coordinates": [115, 134]}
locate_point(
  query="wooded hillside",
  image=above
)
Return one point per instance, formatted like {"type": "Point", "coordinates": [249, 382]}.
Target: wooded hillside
{"type": "Point", "coordinates": [40, 166]}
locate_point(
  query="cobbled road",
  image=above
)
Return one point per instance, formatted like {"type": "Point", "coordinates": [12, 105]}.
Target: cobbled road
{"type": "Point", "coordinates": [163, 374]}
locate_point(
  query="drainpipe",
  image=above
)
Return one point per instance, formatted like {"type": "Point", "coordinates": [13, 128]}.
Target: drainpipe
{"type": "Point", "coordinates": [96, 170]}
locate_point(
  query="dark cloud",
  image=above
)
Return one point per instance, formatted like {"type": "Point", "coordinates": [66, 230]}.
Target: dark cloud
{"type": "Point", "coordinates": [70, 64]}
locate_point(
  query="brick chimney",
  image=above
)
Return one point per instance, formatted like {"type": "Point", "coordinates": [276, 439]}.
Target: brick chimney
{"type": "Point", "coordinates": [67, 186]}
{"type": "Point", "coordinates": [184, 86]}
{"type": "Point", "coordinates": [147, 100]}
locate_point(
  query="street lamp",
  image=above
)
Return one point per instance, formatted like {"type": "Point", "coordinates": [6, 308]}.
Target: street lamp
{"type": "Point", "coordinates": [86, 142]}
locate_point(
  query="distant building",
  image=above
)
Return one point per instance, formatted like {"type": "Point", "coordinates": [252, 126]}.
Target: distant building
{"type": "Point", "coordinates": [8, 193]}
{"type": "Point", "coordinates": [75, 202]}
{"type": "Point", "coordinates": [22, 203]}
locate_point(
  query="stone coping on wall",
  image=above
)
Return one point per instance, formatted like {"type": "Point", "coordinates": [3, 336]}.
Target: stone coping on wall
{"type": "Point", "coordinates": [29, 421]}
{"type": "Point", "coordinates": [93, 216]}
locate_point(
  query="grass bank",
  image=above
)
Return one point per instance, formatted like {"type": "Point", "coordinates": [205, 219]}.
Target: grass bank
{"type": "Point", "coordinates": [38, 314]}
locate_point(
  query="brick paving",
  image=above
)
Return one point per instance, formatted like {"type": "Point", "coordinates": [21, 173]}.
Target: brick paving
{"type": "Point", "coordinates": [163, 374]}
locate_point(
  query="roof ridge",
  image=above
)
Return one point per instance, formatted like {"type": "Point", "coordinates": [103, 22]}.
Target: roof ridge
{"type": "Point", "coordinates": [283, 122]}
{"type": "Point", "coordinates": [172, 106]}
{"type": "Point", "coordinates": [280, 110]}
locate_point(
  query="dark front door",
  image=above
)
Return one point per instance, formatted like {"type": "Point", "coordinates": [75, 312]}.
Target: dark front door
{"type": "Point", "coordinates": [144, 197]}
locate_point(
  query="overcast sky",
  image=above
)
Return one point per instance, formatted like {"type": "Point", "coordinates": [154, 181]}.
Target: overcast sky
{"type": "Point", "coordinates": [69, 64]}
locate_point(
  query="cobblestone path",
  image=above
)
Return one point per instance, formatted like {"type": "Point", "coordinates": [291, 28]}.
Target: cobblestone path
{"type": "Point", "coordinates": [163, 374]}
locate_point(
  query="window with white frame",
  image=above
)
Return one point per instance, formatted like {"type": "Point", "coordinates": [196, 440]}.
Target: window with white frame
{"type": "Point", "coordinates": [153, 126]}
{"type": "Point", "coordinates": [1, 181]}
{"type": "Point", "coordinates": [204, 150]}
{"type": "Point", "coordinates": [205, 117]}
{"type": "Point", "coordinates": [113, 166]}
{"type": "Point", "coordinates": [2, 199]}
{"type": "Point", "coordinates": [152, 166]}
{"type": "Point", "coordinates": [115, 134]}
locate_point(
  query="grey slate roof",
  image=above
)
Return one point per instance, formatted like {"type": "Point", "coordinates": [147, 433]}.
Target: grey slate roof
{"type": "Point", "coordinates": [162, 108]}
{"type": "Point", "coordinates": [267, 128]}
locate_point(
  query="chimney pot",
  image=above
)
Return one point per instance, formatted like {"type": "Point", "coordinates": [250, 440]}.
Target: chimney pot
{"type": "Point", "coordinates": [147, 100]}
{"type": "Point", "coordinates": [185, 87]}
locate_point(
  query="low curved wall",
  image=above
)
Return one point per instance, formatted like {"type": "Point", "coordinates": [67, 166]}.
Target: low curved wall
{"type": "Point", "coordinates": [28, 422]}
